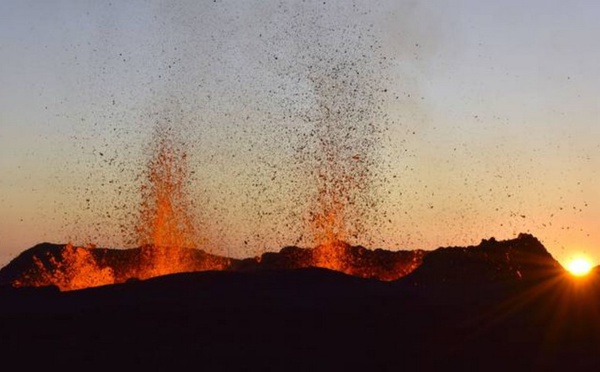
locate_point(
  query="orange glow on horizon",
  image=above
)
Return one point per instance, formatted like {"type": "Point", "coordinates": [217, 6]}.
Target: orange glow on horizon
{"type": "Point", "coordinates": [579, 266]}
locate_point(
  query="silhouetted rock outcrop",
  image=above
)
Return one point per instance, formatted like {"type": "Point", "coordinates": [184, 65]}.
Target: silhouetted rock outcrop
{"type": "Point", "coordinates": [523, 259]}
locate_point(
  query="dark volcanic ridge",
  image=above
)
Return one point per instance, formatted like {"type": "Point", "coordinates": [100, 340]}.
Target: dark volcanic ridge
{"type": "Point", "coordinates": [500, 305]}
{"type": "Point", "coordinates": [70, 268]}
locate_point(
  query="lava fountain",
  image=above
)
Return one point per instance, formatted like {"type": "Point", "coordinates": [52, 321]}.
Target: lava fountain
{"type": "Point", "coordinates": [332, 80]}
{"type": "Point", "coordinates": [340, 176]}
{"type": "Point", "coordinates": [167, 228]}
{"type": "Point", "coordinates": [342, 122]}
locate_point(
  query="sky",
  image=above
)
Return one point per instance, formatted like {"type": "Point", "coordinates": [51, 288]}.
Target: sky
{"type": "Point", "coordinates": [477, 119]}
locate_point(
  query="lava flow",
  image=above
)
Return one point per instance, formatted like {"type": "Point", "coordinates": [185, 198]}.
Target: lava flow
{"type": "Point", "coordinates": [69, 268]}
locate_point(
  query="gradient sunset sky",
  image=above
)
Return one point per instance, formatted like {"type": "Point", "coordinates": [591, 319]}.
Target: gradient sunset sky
{"type": "Point", "coordinates": [488, 118]}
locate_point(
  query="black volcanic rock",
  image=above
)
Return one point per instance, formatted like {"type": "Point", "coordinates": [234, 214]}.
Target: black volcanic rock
{"type": "Point", "coordinates": [353, 260]}
{"type": "Point", "coordinates": [497, 306]}
{"type": "Point", "coordinates": [68, 267]}
{"type": "Point", "coordinates": [521, 259]}
{"type": "Point", "coordinates": [24, 261]}
{"type": "Point", "coordinates": [299, 320]}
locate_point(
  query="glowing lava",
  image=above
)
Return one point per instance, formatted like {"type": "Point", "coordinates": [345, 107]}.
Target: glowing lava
{"type": "Point", "coordinates": [73, 268]}
{"type": "Point", "coordinates": [337, 96]}
{"type": "Point", "coordinates": [166, 226]}
{"type": "Point", "coordinates": [328, 219]}
{"type": "Point", "coordinates": [342, 151]}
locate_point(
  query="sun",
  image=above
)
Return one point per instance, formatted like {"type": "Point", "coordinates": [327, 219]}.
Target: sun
{"type": "Point", "coordinates": [579, 266]}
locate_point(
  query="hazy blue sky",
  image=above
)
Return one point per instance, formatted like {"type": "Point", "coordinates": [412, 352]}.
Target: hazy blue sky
{"type": "Point", "coordinates": [487, 114]}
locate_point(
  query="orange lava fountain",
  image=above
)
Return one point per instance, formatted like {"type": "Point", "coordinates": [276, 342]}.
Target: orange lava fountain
{"type": "Point", "coordinates": [341, 180]}
{"type": "Point", "coordinates": [166, 227]}
{"type": "Point", "coordinates": [166, 232]}
{"type": "Point", "coordinates": [337, 95]}
{"type": "Point", "coordinates": [341, 151]}
{"type": "Point", "coordinates": [327, 220]}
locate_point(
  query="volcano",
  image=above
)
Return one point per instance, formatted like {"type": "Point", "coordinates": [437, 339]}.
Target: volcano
{"type": "Point", "coordinates": [500, 305]}
{"type": "Point", "coordinates": [70, 268]}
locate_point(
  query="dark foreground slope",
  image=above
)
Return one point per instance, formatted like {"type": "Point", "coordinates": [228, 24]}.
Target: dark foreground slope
{"type": "Point", "coordinates": [315, 319]}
